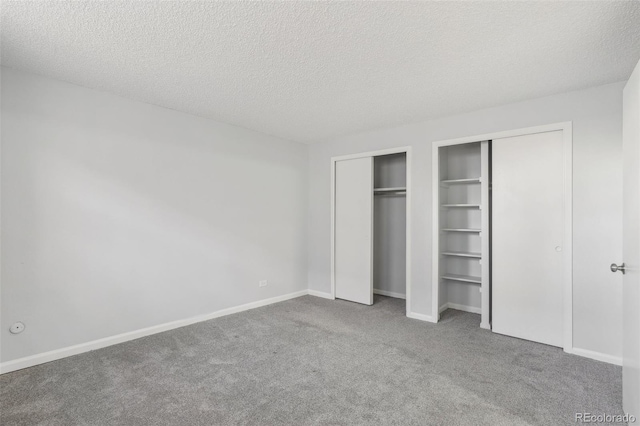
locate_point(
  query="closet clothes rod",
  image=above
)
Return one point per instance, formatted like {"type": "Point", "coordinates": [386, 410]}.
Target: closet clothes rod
{"type": "Point", "coordinates": [397, 190]}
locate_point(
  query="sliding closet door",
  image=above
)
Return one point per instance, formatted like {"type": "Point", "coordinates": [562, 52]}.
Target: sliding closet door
{"type": "Point", "coordinates": [527, 236]}
{"type": "Point", "coordinates": [354, 230]}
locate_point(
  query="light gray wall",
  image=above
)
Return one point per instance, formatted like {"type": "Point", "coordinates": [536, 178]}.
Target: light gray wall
{"type": "Point", "coordinates": [119, 215]}
{"type": "Point", "coordinates": [597, 199]}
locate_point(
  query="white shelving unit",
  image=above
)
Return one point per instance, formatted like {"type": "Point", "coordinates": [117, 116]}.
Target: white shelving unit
{"type": "Point", "coordinates": [461, 207]}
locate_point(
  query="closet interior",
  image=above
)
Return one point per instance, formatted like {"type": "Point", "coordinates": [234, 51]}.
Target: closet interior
{"type": "Point", "coordinates": [389, 225]}
{"type": "Point", "coordinates": [463, 224]}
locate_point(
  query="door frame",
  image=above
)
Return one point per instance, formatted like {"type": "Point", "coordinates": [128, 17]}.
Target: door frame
{"type": "Point", "coordinates": [399, 150]}
{"type": "Point", "coordinates": [567, 238]}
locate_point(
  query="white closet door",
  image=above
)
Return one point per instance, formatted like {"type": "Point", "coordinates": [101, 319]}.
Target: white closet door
{"type": "Point", "coordinates": [354, 230]}
{"type": "Point", "coordinates": [527, 236]}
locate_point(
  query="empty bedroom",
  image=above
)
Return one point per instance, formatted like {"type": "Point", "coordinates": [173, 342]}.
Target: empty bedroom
{"type": "Point", "coordinates": [319, 212]}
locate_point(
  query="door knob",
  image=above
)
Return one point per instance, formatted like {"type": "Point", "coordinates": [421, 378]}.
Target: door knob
{"type": "Point", "coordinates": [616, 268]}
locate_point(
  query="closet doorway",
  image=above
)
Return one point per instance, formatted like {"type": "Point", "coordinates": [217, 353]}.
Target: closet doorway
{"type": "Point", "coordinates": [370, 226]}
{"type": "Point", "coordinates": [502, 236]}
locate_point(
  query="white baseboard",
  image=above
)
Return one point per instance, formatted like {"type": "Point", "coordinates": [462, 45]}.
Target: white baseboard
{"type": "Point", "coordinates": [30, 361]}
{"type": "Point", "coordinates": [322, 294]}
{"type": "Point", "coordinates": [458, 307]}
{"type": "Point", "coordinates": [389, 294]}
{"type": "Point", "coordinates": [598, 356]}
{"type": "Point", "coordinates": [420, 317]}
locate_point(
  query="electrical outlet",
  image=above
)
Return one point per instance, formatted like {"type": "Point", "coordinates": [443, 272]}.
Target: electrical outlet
{"type": "Point", "coordinates": [262, 283]}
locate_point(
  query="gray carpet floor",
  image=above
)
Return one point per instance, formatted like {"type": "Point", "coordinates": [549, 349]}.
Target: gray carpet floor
{"type": "Point", "coordinates": [311, 361]}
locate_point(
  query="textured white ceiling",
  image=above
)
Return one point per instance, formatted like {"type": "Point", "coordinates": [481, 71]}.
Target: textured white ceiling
{"type": "Point", "coordinates": [309, 71]}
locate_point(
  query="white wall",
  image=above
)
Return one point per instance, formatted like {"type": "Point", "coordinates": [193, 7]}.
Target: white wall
{"type": "Point", "coordinates": [597, 129]}
{"type": "Point", "coordinates": [119, 215]}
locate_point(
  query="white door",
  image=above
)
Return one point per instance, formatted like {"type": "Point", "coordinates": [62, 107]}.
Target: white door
{"type": "Point", "coordinates": [527, 237]}
{"type": "Point", "coordinates": [631, 245]}
{"type": "Point", "coordinates": [353, 249]}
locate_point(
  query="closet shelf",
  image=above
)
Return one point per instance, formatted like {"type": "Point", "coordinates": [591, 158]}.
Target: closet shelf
{"type": "Point", "coordinates": [462, 278]}
{"type": "Point", "coordinates": [477, 231]}
{"type": "Point", "coordinates": [464, 206]}
{"type": "Point", "coordinates": [462, 254]}
{"type": "Point", "coordinates": [448, 182]}
{"type": "Point", "coordinates": [390, 189]}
